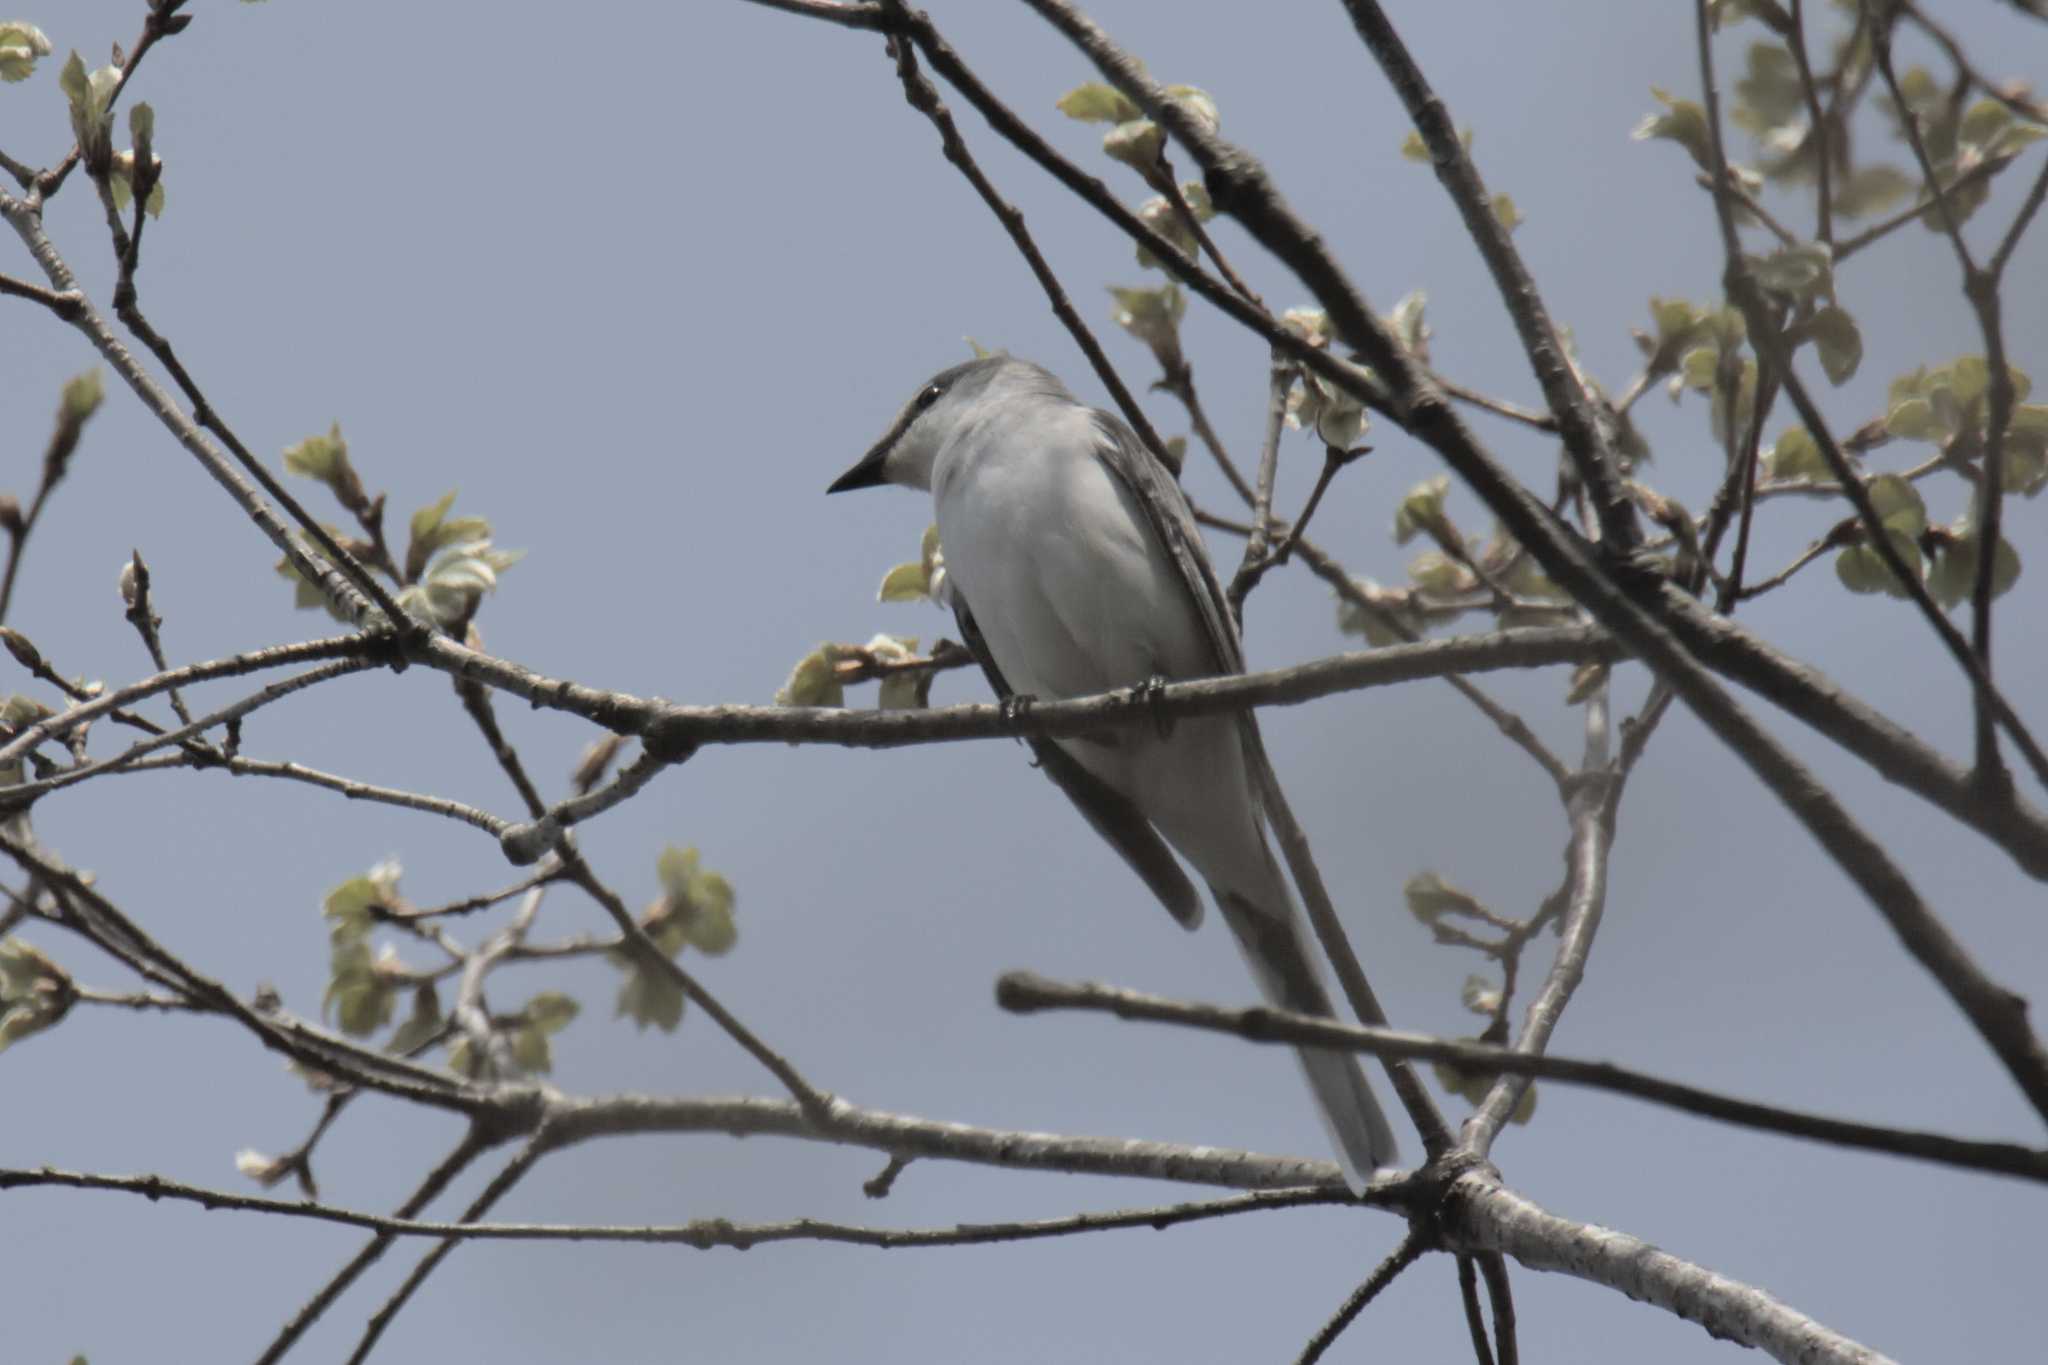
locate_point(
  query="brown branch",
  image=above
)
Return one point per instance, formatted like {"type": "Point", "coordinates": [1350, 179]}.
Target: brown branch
{"type": "Point", "coordinates": [1499, 407]}
{"type": "Point", "coordinates": [923, 96]}
{"type": "Point", "coordinates": [1407, 1254]}
{"type": "Point", "coordinates": [702, 1234]}
{"type": "Point", "coordinates": [2027, 109]}
{"type": "Point", "coordinates": [1823, 144]}
{"type": "Point", "coordinates": [1586, 442]}
{"type": "Point", "coordinates": [1258, 555]}
{"type": "Point", "coordinates": [91, 913]}
{"type": "Point", "coordinates": [234, 666]}
{"type": "Point", "coordinates": [525, 843]}
{"type": "Point", "coordinates": [65, 432]}
{"type": "Point", "coordinates": [475, 1142]}
{"type": "Point", "coordinates": [1336, 944]}
{"type": "Point", "coordinates": [1025, 992]}
{"type": "Point", "coordinates": [344, 581]}
{"type": "Point", "coordinates": [1590, 810]}
{"type": "Point", "coordinates": [901, 1135]}
{"type": "Point", "coordinates": [22, 793]}
{"type": "Point", "coordinates": [1475, 1321]}
{"type": "Point", "coordinates": [501, 1184]}
{"type": "Point", "coordinates": [1885, 227]}
{"type": "Point", "coordinates": [1495, 1267]}
{"type": "Point", "coordinates": [66, 305]}
{"type": "Point", "coordinates": [680, 725]}
{"type": "Point", "coordinates": [645, 951]}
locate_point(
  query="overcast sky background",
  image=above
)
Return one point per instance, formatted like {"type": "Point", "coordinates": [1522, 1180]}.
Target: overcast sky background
{"type": "Point", "coordinates": [639, 283]}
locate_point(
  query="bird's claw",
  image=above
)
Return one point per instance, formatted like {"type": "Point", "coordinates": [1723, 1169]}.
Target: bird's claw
{"type": "Point", "coordinates": [1015, 707]}
{"type": "Point", "coordinates": [1150, 693]}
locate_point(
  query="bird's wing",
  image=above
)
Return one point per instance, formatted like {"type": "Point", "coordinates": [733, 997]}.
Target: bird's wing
{"type": "Point", "coordinates": [1112, 815]}
{"type": "Point", "coordinates": [1166, 508]}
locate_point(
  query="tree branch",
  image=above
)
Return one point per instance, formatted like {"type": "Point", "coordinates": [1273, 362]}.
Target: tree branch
{"type": "Point", "coordinates": [1480, 1216]}
{"type": "Point", "coordinates": [702, 1234]}
{"type": "Point", "coordinates": [1586, 442]}
{"type": "Point", "coordinates": [475, 1142]}
{"type": "Point", "coordinates": [1407, 1254]}
{"type": "Point", "coordinates": [1025, 992]}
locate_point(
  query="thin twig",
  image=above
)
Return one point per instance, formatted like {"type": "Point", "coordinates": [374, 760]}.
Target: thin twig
{"type": "Point", "coordinates": [1407, 1254]}
{"type": "Point", "coordinates": [1257, 546]}
{"type": "Point", "coordinates": [351, 588]}
{"type": "Point", "coordinates": [475, 1142]}
{"type": "Point", "coordinates": [1475, 1321]}
{"type": "Point", "coordinates": [1586, 440]}
{"type": "Point", "coordinates": [1495, 1267]}
{"type": "Point", "coordinates": [1500, 407]}
{"type": "Point", "coordinates": [1818, 126]}
{"type": "Point", "coordinates": [24, 792]}
{"type": "Point", "coordinates": [1590, 813]}
{"type": "Point", "coordinates": [807, 1095]}
{"type": "Point", "coordinates": [141, 614]}
{"type": "Point", "coordinates": [1885, 227]}
{"type": "Point", "coordinates": [702, 1234]}
{"type": "Point", "coordinates": [1993, 707]}
{"type": "Point", "coordinates": [234, 666]}
{"type": "Point", "coordinates": [525, 843]}
{"type": "Point", "coordinates": [1024, 992]}
{"type": "Point", "coordinates": [501, 1184]}
{"type": "Point", "coordinates": [923, 96]}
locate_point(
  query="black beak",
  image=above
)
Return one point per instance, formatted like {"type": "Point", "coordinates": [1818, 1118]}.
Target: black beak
{"type": "Point", "coordinates": [866, 474]}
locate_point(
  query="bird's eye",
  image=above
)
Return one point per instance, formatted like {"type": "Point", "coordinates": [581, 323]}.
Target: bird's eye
{"type": "Point", "coordinates": [929, 396]}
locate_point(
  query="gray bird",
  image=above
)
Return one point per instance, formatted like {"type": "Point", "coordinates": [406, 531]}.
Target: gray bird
{"type": "Point", "coordinates": [1075, 567]}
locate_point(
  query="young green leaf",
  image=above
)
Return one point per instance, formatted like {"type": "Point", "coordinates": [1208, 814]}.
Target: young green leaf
{"type": "Point", "coordinates": [904, 583]}
{"type": "Point", "coordinates": [1683, 122]}
{"type": "Point", "coordinates": [21, 45]}
{"type": "Point", "coordinates": [813, 682]}
{"type": "Point", "coordinates": [1098, 103]}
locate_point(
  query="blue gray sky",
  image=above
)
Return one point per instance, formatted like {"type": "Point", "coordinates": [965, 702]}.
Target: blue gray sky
{"type": "Point", "coordinates": [638, 283]}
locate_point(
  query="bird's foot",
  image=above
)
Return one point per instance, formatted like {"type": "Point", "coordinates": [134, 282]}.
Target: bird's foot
{"type": "Point", "coordinates": [1148, 694]}
{"type": "Point", "coordinates": [1015, 707]}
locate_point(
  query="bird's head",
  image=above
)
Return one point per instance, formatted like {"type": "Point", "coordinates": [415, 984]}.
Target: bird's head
{"type": "Point", "coordinates": [941, 406]}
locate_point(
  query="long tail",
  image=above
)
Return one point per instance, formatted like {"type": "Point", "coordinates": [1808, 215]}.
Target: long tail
{"type": "Point", "coordinates": [1272, 941]}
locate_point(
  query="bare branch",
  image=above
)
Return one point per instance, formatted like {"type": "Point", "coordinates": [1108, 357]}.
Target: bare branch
{"type": "Point", "coordinates": [475, 1142]}
{"type": "Point", "coordinates": [1407, 1254]}
{"type": "Point", "coordinates": [1585, 897]}
{"type": "Point", "coordinates": [703, 1234]}
{"type": "Point", "coordinates": [1480, 1216]}
{"type": "Point", "coordinates": [1025, 992]}
{"type": "Point", "coordinates": [684, 725]}
{"type": "Point", "coordinates": [21, 793]}
{"type": "Point", "coordinates": [525, 843]}
{"type": "Point", "coordinates": [1586, 441]}
{"type": "Point", "coordinates": [924, 97]}
{"type": "Point", "coordinates": [352, 588]}
{"type": "Point", "coordinates": [234, 666]}
{"type": "Point", "coordinates": [576, 1120]}
{"type": "Point", "coordinates": [1475, 1322]}
{"type": "Point", "coordinates": [66, 304]}
{"type": "Point", "coordinates": [513, 1172]}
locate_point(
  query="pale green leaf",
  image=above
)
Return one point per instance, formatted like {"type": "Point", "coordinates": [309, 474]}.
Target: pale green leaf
{"type": "Point", "coordinates": [429, 517]}
{"type": "Point", "coordinates": [1422, 509]}
{"type": "Point", "coordinates": [1838, 342]}
{"type": "Point", "coordinates": [904, 583]}
{"type": "Point", "coordinates": [551, 1011]}
{"type": "Point", "coordinates": [1098, 103]}
{"type": "Point", "coordinates": [813, 682]}
{"type": "Point", "coordinates": [21, 44]}
{"type": "Point", "coordinates": [1683, 122]}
